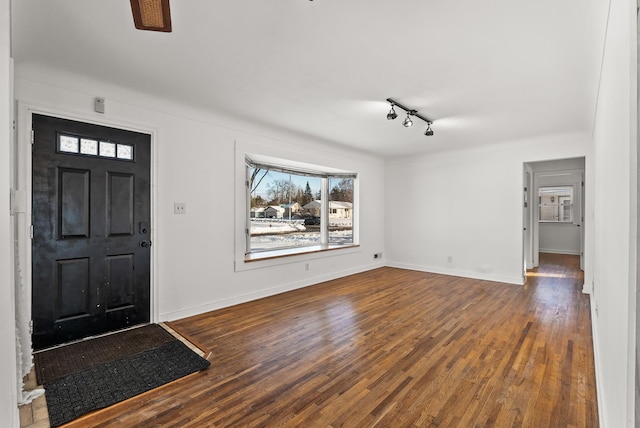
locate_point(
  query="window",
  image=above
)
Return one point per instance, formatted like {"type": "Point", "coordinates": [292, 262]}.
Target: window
{"type": "Point", "coordinates": [556, 204]}
{"type": "Point", "coordinates": [340, 211]}
{"type": "Point", "coordinates": [72, 144]}
{"type": "Point", "coordinates": [297, 209]}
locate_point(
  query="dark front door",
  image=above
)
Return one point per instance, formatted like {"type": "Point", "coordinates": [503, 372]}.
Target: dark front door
{"type": "Point", "coordinates": [91, 230]}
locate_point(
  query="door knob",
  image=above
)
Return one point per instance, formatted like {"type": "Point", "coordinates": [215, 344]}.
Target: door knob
{"type": "Point", "coordinates": [145, 244]}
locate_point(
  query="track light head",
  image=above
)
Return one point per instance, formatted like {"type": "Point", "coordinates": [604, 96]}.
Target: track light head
{"type": "Point", "coordinates": [392, 114]}
{"type": "Point", "coordinates": [429, 131]}
{"type": "Point", "coordinates": [407, 121]}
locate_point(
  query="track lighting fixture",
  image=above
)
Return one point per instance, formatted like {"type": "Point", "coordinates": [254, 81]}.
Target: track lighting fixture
{"type": "Point", "coordinates": [429, 131]}
{"type": "Point", "coordinates": [392, 114]}
{"type": "Point", "coordinates": [408, 122]}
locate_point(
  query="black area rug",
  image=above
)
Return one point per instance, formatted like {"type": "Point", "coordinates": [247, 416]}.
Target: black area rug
{"type": "Point", "coordinates": [109, 383]}
{"type": "Point", "coordinates": [73, 358]}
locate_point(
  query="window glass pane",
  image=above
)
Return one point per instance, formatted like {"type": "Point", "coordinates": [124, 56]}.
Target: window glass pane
{"type": "Point", "coordinates": [285, 210]}
{"type": "Point", "coordinates": [125, 151]}
{"type": "Point", "coordinates": [555, 204]}
{"type": "Point", "coordinates": [68, 144]}
{"type": "Point", "coordinates": [88, 147]}
{"type": "Point", "coordinates": [107, 149]}
{"type": "Point", "coordinates": [341, 211]}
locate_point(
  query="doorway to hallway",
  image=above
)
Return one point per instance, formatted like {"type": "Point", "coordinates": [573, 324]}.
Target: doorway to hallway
{"type": "Point", "coordinates": [553, 210]}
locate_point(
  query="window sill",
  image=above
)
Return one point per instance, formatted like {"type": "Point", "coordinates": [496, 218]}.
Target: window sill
{"type": "Point", "coordinates": [289, 252]}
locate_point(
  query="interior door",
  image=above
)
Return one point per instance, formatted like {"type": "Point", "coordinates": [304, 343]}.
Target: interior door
{"type": "Point", "coordinates": [91, 230]}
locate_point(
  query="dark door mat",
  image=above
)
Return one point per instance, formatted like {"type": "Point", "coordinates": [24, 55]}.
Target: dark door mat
{"type": "Point", "coordinates": [68, 359]}
{"type": "Point", "coordinates": [97, 387]}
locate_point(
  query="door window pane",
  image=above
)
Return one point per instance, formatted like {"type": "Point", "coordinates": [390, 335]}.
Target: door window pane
{"type": "Point", "coordinates": [107, 149]}
{"type": "Point", "coordinates": [125, 151]}
{"type": "Point", "coordinates": [68, 144]}
{"type": "Point", "coordinates": [88, 147]}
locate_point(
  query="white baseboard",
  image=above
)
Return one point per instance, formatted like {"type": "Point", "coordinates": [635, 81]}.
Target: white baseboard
{"type": "Point", "coordinates": [596, 362]}
{"type": "Point", "coordinates": [559, 251]}
{"type": "Point", "coordinates": [266, 292]}
{"type": "Point", "coordinates": [460, 273]}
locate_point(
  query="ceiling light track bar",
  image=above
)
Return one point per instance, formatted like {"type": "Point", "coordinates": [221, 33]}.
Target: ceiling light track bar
{"type": "Point", "coordinates": [409, 111]}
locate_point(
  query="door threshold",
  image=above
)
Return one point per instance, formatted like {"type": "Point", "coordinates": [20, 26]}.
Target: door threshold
{"type": "Point", "coordinates": [108, 333]}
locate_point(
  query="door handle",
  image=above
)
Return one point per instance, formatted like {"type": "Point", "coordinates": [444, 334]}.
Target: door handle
{"type": "Point", "coordinates": [144, 244]}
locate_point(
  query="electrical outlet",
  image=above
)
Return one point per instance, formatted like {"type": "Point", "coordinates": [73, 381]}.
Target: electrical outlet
{"type": "Point", "coordinates": [450, 259]}
{"type": "Point", "coordinates": [377, 256]}
{"type": "Point", "coordinates": [179, 208]}
{"type": "Point", "coordinates": [306, 266]}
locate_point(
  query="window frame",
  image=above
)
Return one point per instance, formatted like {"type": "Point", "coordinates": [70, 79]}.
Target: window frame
{"type": "Point", "coordinates": [559, 206]}
{"type": "Point", "coordinates": [325, 174]}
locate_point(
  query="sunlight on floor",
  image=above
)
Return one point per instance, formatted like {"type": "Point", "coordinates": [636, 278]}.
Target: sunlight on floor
{"type": "Point", "coordinates": [546, 275]}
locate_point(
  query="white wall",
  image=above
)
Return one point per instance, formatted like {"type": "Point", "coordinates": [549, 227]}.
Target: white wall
{"type": "Point", "coordinates": [466, 205]}
{"type": "Point", "coordinates": [559, 238]}
{"type": "Point", "coordinates": [8, 390]}
{"type": "Point", "coordinates": [195, 163]}
{"type": "Point", "coordinates": [615, 169]}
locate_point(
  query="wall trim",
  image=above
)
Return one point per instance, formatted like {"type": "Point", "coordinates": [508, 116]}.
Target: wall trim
{"type": "Point", "coordinates": [460, 273]}
{"type": "Point", "coordinates": [559, 251]}
{"type": "Point", "coordinates": [265, 292]}
{"type": "Point", "coordinates": [596, 362]}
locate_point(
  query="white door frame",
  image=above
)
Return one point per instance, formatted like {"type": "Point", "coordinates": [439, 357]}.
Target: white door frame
{"type": "Point", "coordinates": [527, 220]}
{"type": "Point", "coordinates": [22, 198]}
{"type": "Point", "coordinates": [573, 177]}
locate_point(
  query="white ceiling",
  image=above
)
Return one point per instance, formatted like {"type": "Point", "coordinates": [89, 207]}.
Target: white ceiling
{"type": "Point", "coordinates": [486, 71]}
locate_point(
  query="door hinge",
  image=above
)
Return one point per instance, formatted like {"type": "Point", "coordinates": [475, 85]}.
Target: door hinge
{"type": "Point", "coordinates": [30, 327]}
{"type": "Point", "coordinates": [246, 183]}
{"type": "Point", "coordinates": [246, 231]}
{"type": "Point", "coordinates": [32, 136]}
{"type": "Point", "coordinates": [31, 232]}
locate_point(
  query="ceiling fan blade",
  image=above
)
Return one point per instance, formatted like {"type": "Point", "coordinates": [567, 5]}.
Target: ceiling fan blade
{"type": "Point", "coordinates": [152, 15]}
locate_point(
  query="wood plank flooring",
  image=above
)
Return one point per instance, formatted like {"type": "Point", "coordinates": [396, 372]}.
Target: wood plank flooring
{"type": "Point", "coordinates": [389, 348]}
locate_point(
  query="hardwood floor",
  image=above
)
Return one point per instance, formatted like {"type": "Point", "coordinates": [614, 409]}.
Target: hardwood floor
{"type": "Point", "coordinates": [389, 348]}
